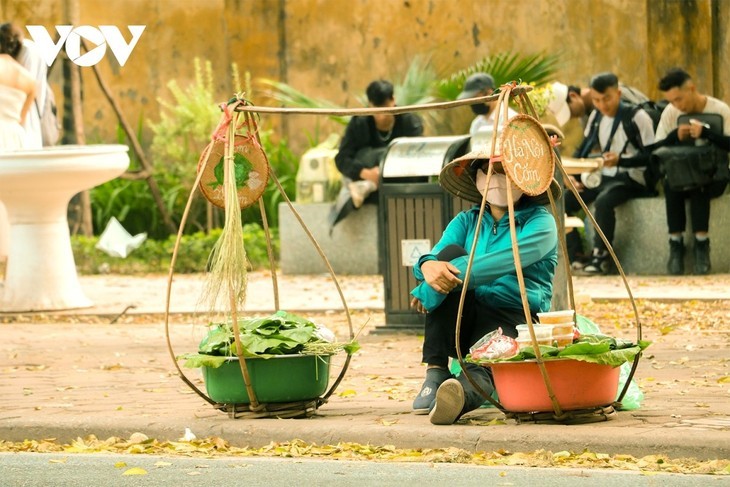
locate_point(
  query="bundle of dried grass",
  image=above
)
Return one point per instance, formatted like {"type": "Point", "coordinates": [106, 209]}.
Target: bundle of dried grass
{"type": "Point", "coordinates": [227, 261]}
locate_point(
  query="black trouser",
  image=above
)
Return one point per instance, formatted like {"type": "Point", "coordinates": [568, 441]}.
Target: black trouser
{"type": "Point", "coordinates": [478, 319]}
{"type": "Point", "coordinates": [699, 207]}
{"type": "Point", "coordinates": [612, 192]}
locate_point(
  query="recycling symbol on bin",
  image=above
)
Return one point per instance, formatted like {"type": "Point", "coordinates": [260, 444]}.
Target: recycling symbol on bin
{"type": "Point", "coordinates": [412, 250]}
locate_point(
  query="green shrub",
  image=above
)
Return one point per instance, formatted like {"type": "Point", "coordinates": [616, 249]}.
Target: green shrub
{"type": "Point", "coordinates": [153, 256]}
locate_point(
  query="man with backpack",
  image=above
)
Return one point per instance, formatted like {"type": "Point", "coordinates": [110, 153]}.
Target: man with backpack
{"type": "Point", "coordinates": [620, 134]}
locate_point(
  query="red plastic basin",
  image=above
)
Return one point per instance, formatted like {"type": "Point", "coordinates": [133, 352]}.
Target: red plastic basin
{"type": "Point", "coordinates": [576, 384]}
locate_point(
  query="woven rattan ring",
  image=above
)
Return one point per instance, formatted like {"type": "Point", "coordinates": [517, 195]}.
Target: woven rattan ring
{"type": "Point", "coordinates": [252, 171]}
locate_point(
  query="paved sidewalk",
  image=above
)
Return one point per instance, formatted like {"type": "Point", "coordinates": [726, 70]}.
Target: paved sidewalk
{"type": "Point", "coordinates": [63, 379]}
{"type": "Point", "coordinates": [114, 294]}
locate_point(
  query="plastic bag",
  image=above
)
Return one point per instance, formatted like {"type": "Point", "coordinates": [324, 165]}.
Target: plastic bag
{"type": "Point", "coordinates": [494, 345]}
{"type": "Point", "coordinates": [633, 397]}
{"type": "Point", "coordinates": [116, 241]}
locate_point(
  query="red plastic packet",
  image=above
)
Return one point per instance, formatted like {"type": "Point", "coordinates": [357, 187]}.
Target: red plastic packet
{"type": "Point", "coordinates": [494, 345]}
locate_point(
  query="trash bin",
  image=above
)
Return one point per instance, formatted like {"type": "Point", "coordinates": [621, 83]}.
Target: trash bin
{"type": "Point", "coordinates": [413, 213]}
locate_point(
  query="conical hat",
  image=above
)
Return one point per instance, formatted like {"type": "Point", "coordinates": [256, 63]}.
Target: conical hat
{"type": "Point", "coordinates": [457, 177]}
{"type": "Point", "coordinates": [252, 171]}
{"type": "Point", "coordinates": [525, 152]}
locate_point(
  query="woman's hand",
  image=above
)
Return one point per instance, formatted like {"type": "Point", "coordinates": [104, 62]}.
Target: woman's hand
{"type": "Point", "coordinates": [418, 306]}
{"type": "Point", "coordinates": [441, 276]}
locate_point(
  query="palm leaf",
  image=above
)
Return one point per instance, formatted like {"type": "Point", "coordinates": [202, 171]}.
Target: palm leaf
{"type": "Point", "coordinates": [504, 67]}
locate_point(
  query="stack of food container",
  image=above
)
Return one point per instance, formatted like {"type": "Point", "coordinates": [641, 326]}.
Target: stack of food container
{"type": "Point", "coordinates": [562, 324]}
{"type": "Point", "coordinates": [556, 328]}
{"type": "Point", "coordinates": [543, 335]}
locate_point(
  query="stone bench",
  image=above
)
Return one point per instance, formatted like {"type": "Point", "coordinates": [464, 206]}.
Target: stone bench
{"type": "Point", "coordinates": [641, 239]}
{"type": "Point", "coordinates": [351, 249]}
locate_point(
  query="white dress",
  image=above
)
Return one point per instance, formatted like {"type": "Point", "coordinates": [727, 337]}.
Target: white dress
{"type": "Point", "coordinates": [32, 60]}
{"type": "Point", "coordinates": [12, 136]}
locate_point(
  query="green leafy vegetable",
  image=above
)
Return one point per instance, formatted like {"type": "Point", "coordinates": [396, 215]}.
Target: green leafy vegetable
{"type": "Point", "coordinates": [241, 167]}
{"type": "Point", "coordinates": [281, 333]}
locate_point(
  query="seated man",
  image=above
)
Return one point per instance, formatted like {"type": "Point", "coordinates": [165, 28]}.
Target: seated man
{"type": "Point", "coordinates": [366, 139]}
{"type": "Point", "coordinates": [493, 299]}
{"type": "Point", "coordinates": [620, 134]}
{"type": "Point", "coordinates": [679, 89]}
{"type": "Point", "coordinates": [476, 85]}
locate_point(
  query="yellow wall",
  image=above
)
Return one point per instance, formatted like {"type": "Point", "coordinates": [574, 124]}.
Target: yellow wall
{"type": "Point", "coordinates": [333, 48]}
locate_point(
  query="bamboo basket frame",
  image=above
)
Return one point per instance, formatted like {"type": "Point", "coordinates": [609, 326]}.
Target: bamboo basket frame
{"type": "Point", "coordinates": [255, 409]}
{"type": "Point", "coordinates": [507, 91]}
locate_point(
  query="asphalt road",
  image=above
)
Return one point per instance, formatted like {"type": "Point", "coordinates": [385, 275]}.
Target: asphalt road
{"type": "Point", "coordinates": [80, 470]}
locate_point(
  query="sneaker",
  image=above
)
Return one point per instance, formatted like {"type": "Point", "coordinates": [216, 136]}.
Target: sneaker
{"type": "Point", "coordinates": [423, 403]}
{"type": "Point", "coordinates": [598, 266]}
{"type": "Point", "coordinates": [360, 190]}
{"type": "Point", "coordinates": [450, 400]}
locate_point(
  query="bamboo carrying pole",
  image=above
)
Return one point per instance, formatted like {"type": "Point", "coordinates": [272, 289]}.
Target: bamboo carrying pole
{"type": "Point", "coordinates": [506, 91]}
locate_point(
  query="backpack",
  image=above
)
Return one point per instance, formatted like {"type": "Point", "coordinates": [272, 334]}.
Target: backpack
{"type": "Point", "coordinates": [628, 111]}
{"type": "Point", "coordinates": [632, 96]}
{"type": "Point", "coordinates": [654, 109]}
{"type": "Point", "coordinates": [50, 129]}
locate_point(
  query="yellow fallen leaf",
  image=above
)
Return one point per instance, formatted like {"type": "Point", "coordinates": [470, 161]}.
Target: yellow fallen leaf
{"type": "Point", "coordinates": [120, 464]}
{"type": "Point", "coordinates": [135, 471]}
{"type": "Point", "coordinates": [348, 393]}
{"type": "Point", "coordinates": [58, 460]}
{"type": "Point", "coordinates": [386, 422]}
{"type": "Point", "coordinates": [666, 329]}
{"type": "Point", "coordinates": [724, 380]}
{"type": "Point", "coordinates": [162, 464]}
{"type": "Point", "coordinates": [112, 367]}
{"type": "Point", "coordinates": [701, 405]}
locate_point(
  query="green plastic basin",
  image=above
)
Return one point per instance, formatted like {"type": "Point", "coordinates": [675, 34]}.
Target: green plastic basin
{"type": "Point", "coordinates": [283, 378]}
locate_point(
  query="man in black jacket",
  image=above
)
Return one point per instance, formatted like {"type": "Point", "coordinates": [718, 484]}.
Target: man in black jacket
{"type": "Point", "coordinates": [366, 139]}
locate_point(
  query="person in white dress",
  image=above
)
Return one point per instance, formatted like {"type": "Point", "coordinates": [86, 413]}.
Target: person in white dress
{"type": "Point", "coordinates": [26, 53]}
{"type": "Point", "coordinates": [17, 92]}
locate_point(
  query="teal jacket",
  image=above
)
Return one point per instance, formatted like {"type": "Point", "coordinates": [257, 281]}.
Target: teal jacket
{"type": "Point", "coordinates": [493, 275]}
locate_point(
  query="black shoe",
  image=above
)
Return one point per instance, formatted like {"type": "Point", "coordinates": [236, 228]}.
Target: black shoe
{"type": "Point", "coordinates": [598, 266]}
{"type": "Point", "coordinates": [702, 257]}
{"type": "Point", "coordinates": [675, 265]}
{"type": "Point", "coordinates": [435, 376]}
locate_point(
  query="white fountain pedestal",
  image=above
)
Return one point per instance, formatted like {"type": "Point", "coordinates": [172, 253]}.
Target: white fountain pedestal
{"type": "Point", "coordinates": [36, 187]}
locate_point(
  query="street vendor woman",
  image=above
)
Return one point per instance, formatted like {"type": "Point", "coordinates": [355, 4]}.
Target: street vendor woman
{"type": "Point", "coordinates": [493, 299]}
